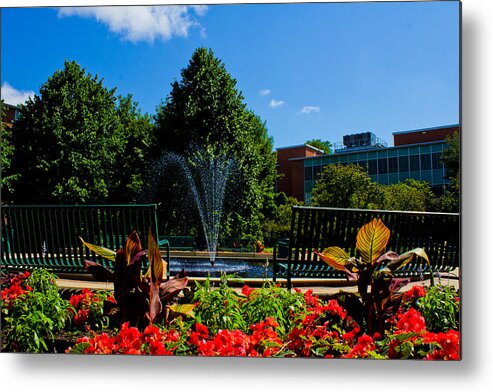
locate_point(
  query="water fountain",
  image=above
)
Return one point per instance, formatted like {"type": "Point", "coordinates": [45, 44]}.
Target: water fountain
{"type": "Point", "coordinates": [207, 175]}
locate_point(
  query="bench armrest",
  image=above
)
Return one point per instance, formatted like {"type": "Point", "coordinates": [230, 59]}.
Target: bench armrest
{"type": "Point", "coordinates": [281, 249]}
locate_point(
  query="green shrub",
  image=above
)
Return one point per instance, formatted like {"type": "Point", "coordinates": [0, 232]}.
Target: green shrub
{"type": "Point", "coordinates": [36, 316]}
{"type": "Point", "coordinates": [440, 308]}
{"type": "Point", "coordinates": [224, 308]}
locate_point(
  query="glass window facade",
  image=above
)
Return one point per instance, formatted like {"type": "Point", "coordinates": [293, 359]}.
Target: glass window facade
{"type": "Point", "coordinates": [387, 165]}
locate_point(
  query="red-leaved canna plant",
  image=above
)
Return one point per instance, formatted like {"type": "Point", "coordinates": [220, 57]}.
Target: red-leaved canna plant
{"type": "Point", "coordinates": [140, 298]}
{"type": "Point", "coordinates": [373, 267]}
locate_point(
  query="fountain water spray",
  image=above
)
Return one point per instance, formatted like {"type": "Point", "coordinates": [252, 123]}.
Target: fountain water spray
{"type": "Point", "coordinates": [207, 175]}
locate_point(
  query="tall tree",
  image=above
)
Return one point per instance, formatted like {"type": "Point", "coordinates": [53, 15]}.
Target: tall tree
{"type": "Point", "coordinates": [74, 142]}
{"type": "Point", "coordinates": [205, 110]}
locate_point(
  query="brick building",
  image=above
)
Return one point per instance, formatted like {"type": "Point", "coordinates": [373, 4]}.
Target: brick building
{"type": "Point", "coordinates": [416, 154]}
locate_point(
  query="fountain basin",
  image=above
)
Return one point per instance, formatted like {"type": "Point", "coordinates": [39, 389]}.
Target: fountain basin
{"type": "Point", "coordinates": [242, 267]}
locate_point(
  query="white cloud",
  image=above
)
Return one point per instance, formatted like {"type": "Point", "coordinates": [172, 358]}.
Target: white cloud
{"type": "Point", "coordinates": [309, 109]}
{"type": "Point", "coordinates": [142, 23]}
{"type": "Point", "coordinates": [14, 97]}
{"type": "Point", "coordinates": [274, 103]}
{"type": "Point", "coordinates": [265, 91]}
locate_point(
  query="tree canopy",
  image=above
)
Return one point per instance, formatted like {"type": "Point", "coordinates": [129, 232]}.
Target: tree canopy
{"type": "Point", "coordinates": [345, 186]}
{"type": "Point", "coordinates": [205, 110]}
{"type": "Point", "coordinates": [76, 142]}
{"type": "Point", "coordinates": [6, 153]}
{"type": "Point", "coordinates": [323, 145]}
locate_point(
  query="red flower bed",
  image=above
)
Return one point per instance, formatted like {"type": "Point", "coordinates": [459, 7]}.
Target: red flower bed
{"type": "Point", "coordinates": [321, 329]}
{"type": "Point", "coordinates": [16, 288]}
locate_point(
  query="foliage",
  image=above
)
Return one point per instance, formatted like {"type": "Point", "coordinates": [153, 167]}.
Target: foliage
{"type": "Point", "coordinates": [410, 195]}
{"type": "Point", "coordinates": [440, 308]}
{"type": "Point", "coordinates": [34, 317]}
{"type": "Point", "coordinates": [317, 329]}
{"type": "Point", "coordinates": [278, 225]}
{"type": "Point", "coordinates": [75, 143]}
{"type": "Point", "coordinates": [7, 177]}
{"type": "Point", "coordinates": [323, 145]}
{"type": "Point", "coordinates": [345, 186]}
{"type": "Point", "coordinates": [223, 308]}
{"type": "Point", "coordinates": [205, 110]}
{"type": "Point", "coordinates": [139, 298]}
{"type": "Point", "coordinates": [450, 201]}
{"type": "Point", "coordinates": [219, 308]}
{"type": "Point", "coordinates": [373, 267]}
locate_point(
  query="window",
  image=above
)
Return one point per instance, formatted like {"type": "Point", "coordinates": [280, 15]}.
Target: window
{"type": "Point", "coordinates": [414, 162]}
{"type": "Point", "coordinates": [316, 171]}
{"type": "Point", "coordinates": [393, 165]}
{"type": "Point", "coordinates": [308, 173]}
{"type": "Point", "coordinates": [426, 162]}
{"type": "Point", "coordinates": [372, 167]}
{"type": "Point", "coordinates": [404, 164]}
{"type": "Point", "coordinates": [436, 160]}
{"type": "Point", "coordinates": [383, 166]}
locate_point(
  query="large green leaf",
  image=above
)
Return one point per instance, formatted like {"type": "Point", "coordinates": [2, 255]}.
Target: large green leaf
{"type": "Point", "coordinates": [372, 240]}
{"type": "Point", "coordinates": [101, 251]}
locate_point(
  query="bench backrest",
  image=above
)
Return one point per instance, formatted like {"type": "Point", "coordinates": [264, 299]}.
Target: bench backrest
{"type": "Point", "coordinates": [48, 236]}
{"type": "Point", "coordinates": [180, 242]}
{"type": "Point", "coordinates": [319, 227]}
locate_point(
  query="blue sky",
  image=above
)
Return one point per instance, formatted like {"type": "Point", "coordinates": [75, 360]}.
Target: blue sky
{"type": "Point", "coordinates": [308, 70]}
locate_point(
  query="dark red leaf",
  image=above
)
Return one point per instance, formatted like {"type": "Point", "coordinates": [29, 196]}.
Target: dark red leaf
{"type": "Point", "coordinates": [99, 272]}
{"type": "Point", "coordinates": [137, 256]}
{"type": "Point", "coordinates": [155, 306]}
{"type": "Point", "coordinates": [172, 287]}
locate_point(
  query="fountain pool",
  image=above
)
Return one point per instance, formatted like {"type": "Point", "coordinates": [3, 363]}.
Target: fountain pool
{"type": "Point", "coordinates": [240, 267]}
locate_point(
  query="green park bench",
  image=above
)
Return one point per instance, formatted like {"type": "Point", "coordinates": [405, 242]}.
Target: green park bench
{"type": "Point", "coordinates": [182, 243]}
{"type": "Point", "coordinates": [316, 228]}
{"type": "Point", "coordinates": [48, 236]}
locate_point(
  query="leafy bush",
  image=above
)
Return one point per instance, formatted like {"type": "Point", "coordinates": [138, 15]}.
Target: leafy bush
{"type": "Point", "coordinates": [440, 308]}
{"type": "Point", "coordinates": [219, 308]}
{"type": "Point", "coordinates": [35, 316]}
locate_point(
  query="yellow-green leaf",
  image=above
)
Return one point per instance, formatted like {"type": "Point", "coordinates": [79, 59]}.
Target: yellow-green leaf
{"type": "Point", "coordinates": [101, 251]}
{"type": "Point", "coordinates": [156, 263]}
{"type": "Point", "coordinates": [186, 309]}
{"type": "Point", "coordinates": [372, 240]}
{"type": "Point", "coordinates": [408, 256]}
{"type": "Point", "coordinates": [132, 246]}
{"type": "Point", "coordinates": [334, 256]}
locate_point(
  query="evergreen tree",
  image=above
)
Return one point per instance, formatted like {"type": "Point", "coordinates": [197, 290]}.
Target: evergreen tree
{"type": "Point", "coordinates": [205, 110]}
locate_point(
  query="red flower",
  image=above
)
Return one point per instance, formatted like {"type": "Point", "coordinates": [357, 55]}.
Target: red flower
{"type": "Point", "coordinates": [246, 291]}
{"type": "Point", "coordinates": [414, 293]}
{"type": "Point", "coordinates": [411, 321]}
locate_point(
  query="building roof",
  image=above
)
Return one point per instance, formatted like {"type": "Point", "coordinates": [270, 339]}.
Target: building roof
{"type": "Point", "coordinates": [427, 129]}
{"type": "Point", "coordinates": [301, 145]}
